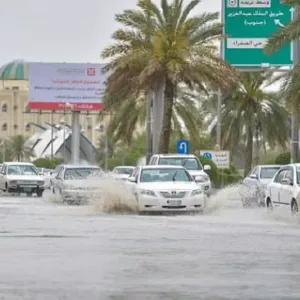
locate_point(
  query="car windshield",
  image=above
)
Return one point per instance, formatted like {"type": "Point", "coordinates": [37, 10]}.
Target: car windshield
{"type": "Point", "coordinates": [123, 171]}
{"type": "Point", "coordinates": [81, 173]}
{"type": "Point", "coordinates": [164, 175]}
{"type": "Point", "coordinates": [268, 173]}
{"type": "Point", "coordinates": [22, 170]}
{"type": "Point", "coordinates": [188, 163]}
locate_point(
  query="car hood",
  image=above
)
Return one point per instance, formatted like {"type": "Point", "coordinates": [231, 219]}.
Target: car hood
{"type": "Point", "coordinates": [25, 177]}
{"type": "Point", "coordinates": [166, 186]}
{"type": "Point", "coordinates": [120, 176]}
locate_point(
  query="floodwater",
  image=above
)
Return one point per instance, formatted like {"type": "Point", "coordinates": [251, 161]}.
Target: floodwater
{"type": "Point", "coordinates": [50, 251]}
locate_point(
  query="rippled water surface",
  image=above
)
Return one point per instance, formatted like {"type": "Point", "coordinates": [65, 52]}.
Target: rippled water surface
{"type": "Point", "coordinates": [51, 251]}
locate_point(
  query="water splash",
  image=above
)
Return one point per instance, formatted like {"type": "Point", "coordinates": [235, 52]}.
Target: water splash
{"type": "Point", "coordinates": [115, 196]}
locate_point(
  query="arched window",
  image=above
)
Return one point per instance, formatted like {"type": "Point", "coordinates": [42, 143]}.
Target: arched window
{"type": "Point", "coordinates": [27, 127]}
{"type": "Point", "coordinates": [4, 107]}
{"type": "Point", "coordinates": [4, 127]}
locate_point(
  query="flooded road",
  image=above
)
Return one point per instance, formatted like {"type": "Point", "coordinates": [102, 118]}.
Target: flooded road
{"type": "Point", "coordinates": [48, 251]}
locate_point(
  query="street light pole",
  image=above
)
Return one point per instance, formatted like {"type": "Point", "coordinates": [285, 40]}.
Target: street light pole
{"type": "Point", "coordinates": [219, 107]}
{"type": "Point", "coordinates": [294, 116]}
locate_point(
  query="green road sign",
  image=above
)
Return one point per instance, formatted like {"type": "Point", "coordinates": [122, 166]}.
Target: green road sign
{"type": "Point", "coordinates": [248, 25]}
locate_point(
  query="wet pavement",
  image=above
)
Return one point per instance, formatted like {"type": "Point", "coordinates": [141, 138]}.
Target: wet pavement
{"type": "Point", "coordinates": [50, 251]}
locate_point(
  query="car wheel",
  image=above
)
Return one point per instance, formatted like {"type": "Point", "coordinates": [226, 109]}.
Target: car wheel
{"type": "Point", "coordinates": [294, 207]}
{"type": "Point", "coordinates": [269, 206]}
{"type": "Point", "coordinates": [39, 193]}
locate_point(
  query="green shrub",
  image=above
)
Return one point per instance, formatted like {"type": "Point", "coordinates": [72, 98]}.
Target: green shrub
{"type": "Point", "coordinates": [48, 163]}
{"type": "Point", "coordinates": [213, 174]}
{"type": "Point", "coordinates": [283, 158]}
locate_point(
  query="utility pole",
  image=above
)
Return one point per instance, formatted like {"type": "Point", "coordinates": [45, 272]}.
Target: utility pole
{"type": "Point", "coordinates": [219, 107]}
{"type": "Point", "coordinates": [149, 126]}
{"type": "Point", "coordinates": [52, 133]}
{"type": "Point", "coordinates": [294, 125]}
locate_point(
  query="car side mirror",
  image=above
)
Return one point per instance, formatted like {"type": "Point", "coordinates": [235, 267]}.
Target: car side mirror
{"type": "Point", "coordinates": [253, 176]}
{"type": "Point", "coordinates": [207, 168]}
{"type": "Point", "coordinates": [286, 181]}
{"type": "Point", "coordinates": [132, 179]}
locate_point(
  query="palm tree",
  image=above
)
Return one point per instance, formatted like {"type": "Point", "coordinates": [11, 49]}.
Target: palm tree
{"type": "Point", "coordinates": [128, 115]}
{"type": "Point", "coordinates": [19, 150]}
{"type": "Point", "coordinates": [291, 80]}
{"type": "Point", "coordinates": [165, 45]}
{"type": "Point", "coordinates": [250, 113]}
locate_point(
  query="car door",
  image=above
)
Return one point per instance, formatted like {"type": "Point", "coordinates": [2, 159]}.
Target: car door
{"type": "Point", "coordinates": [275, 187]}
{"type": "Point", "coordinates": [286, 190]}
{"type": "Point", "coordinates": [2, 177]}
{"type": "Point", "coordinates": [251, 181]}
{"type": "Point", "coordinates": [59, 180]}
{"type": "Point", "coordinates": [132, 180]}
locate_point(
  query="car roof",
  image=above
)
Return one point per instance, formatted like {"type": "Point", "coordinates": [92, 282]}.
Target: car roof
{"type": "Point", "coordinates": [131, 167]}
{"type": "Point", "coordinates": [80, 167]}
{"type": "Point", "coordinates": [176, 155]}
{"type": "Point", "coordinates": [18, 163]}
{"type": "Point", "coordinates": [270, 166]}
{"type": "Point", "coordinates": [162, 167]}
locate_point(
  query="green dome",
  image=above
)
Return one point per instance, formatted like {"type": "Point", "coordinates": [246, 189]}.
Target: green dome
{"type": "Point", "coordinates": [15, 70]}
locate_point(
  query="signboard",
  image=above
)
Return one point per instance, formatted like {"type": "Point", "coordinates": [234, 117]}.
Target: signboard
{"type": "Point", "coordinates": [248, 25]}
{"type": "Point", "coordinates": [60, 86]}
{"type": "Point", "coordinates": [183, 146]}
{"type": "Point", "coordinates": [220, 158]}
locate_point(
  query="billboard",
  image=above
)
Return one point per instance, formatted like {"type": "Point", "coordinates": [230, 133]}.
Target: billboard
{"type": "Point", "coordinates": [60, 86]}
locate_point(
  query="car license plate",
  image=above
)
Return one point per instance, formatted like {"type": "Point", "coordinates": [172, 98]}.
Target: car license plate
{"type": "Point", "coordinates": [174, 202]}
{"type": "Point", "coordinates": [27, 189]}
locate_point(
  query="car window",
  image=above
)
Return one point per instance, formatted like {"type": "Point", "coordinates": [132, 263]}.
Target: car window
{"type": "Point", "coordinates": [268, 172]}
{"type": "Point", "coordinates": [21, 170]}
{"type": "Point", "coordinates": [279, 176]}
{"type": "Point", "coordinates": [80, 173]}
{"type": "Point", "coordinates": [289, 174]}
{"type": "Point", "coordinates": [164, 175]}
{"type": "Point", "coordinates": [123, 171]}
{"type": "Point", "coordinates": [188, 163]}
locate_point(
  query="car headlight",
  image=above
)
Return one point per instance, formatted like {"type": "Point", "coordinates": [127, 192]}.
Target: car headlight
{"type": "Point", "coordinates": [201, 178]}
{"type": "Point", "coordinates": [196, 192]}
{"type": "Point", "coordinates": [148, 193]}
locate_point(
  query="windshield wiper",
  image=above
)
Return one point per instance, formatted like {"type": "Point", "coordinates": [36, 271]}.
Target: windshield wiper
{"type": "Point", "coordinates": [185, 161]}
{"type": "Point", "coordinates": [174, 176]}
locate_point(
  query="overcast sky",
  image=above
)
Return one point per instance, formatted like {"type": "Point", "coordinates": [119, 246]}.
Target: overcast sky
{"type": "Point", "coordinates": [63, 30]}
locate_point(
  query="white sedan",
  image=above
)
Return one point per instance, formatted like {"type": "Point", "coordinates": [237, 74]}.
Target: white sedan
{"type": "Point", "coordinates": [159, 188]}
{"type": "Point", "coordinates": [284, 190]}
{"type": "Point", "coordinates": [122, 172]}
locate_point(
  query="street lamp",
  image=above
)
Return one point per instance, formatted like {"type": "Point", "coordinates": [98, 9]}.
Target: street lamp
{"type": "Point", "coordinates": [63, 123]}
{"type": "Point", "coordinates": [103, 129]}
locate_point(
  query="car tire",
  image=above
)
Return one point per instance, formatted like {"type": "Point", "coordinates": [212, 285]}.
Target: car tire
{"type": "Point", "coordinates": [294, 207]}
{"type": "Point", "coordinates": [39, 194]}
{"type": "Point", "coordinates": [270, 207]}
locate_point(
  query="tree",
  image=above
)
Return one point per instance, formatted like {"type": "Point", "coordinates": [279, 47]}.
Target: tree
{"type": "Point", "coordinates": [250, 113]}
{"type": "Point", "coordinates": [291, 80]}
{"type": "Point", "coordinates": [165, 45]}
{"type": "Point", "coordinates": [130, 116]}
{"type": "Point", "coordinates": [18, 149]}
